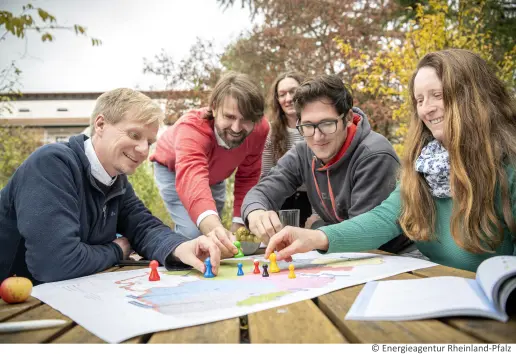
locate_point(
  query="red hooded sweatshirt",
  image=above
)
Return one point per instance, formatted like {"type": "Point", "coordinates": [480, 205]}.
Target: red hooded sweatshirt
{"type": "Point", "coordinates": [190, 149]}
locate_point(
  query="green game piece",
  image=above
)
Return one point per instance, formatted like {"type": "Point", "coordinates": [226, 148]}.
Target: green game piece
{"type": "Point", "coordinates": [240, 253]}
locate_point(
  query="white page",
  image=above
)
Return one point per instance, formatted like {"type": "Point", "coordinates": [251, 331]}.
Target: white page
{"type": "Point", "coordinates": [418, 298]}
{"type": "Point", "coordinates": [491, 271]}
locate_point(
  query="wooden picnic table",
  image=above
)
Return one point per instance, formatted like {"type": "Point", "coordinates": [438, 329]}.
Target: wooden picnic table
{"type": "Point", "coordinates": [320, 320]}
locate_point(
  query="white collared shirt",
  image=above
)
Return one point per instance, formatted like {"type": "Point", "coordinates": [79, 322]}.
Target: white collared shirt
{"type": "Point", "coordinates": [97, 170]}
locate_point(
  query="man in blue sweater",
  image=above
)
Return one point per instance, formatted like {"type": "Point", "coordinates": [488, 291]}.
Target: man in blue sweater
{"type": "Point", "coordinates": [61, 210]}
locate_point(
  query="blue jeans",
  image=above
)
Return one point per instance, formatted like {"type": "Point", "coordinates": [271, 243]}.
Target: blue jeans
{"type": "Point", "coordinates": [166, 182]}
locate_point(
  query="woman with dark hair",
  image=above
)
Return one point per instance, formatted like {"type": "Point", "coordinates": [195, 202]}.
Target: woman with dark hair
{"type": "Point", "coordinates": [284, 135]}
{"type": "Point", "coordinates": [457, 194]}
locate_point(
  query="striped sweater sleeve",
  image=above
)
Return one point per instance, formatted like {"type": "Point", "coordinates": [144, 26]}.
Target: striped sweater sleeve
{"type": "Point", "coordinates": [267, 157]}
{"type": "Point", "coordinates": [268, 162]}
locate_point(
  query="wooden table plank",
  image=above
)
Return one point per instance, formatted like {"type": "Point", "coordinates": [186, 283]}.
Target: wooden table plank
{"type": "Point", "coordinates": [43, 312]}
{"type": "Point", "coordinates": [300, 322]}
{"type": "Point", "coordinates": [227, 331]}
{"type": "Point", "coordinates": [79, 334]}
{"type": "Point", "coordinates": [488, 330]}
{"type": "Point", "coordinates": [336, 305]}
{"type": "Point", "coordinates": [9, 310]}
{"type": "Point", "coordinates": [440, 271]}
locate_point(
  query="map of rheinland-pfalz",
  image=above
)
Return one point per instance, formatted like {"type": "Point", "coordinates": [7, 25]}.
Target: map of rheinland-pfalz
{"type": "Point", "coordinates": [116, 306]}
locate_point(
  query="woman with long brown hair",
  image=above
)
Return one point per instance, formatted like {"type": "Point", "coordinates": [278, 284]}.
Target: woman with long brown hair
{"type": "Point", "coordinates": [284, 135]}
{"type": "Point", "coordinates": [457, 194]}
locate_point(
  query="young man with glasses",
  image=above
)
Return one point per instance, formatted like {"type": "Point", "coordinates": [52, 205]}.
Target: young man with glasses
{"type": "Point", "coordinates": [347, 168]}
{"type": "Point", "coordinates": [195, 156]}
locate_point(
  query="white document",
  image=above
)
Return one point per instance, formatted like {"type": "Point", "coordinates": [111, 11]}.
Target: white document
{"type": "Point", "coordinates": [414, 299]}
{"type": "Point", "coordinates": [116, 306]}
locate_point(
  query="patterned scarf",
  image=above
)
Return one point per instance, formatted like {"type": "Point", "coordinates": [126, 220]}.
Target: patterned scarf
{"type": "Point", "coordinates": [434, 164]}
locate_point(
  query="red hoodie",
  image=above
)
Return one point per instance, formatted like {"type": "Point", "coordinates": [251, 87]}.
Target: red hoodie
{"type": "Point", "coordinates": [351, 130]}
{"type": "Point", "coordinates": [190, 149]}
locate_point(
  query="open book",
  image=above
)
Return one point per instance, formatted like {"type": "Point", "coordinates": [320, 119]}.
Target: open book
{"type": "Point", "coordinates": [485, 296]}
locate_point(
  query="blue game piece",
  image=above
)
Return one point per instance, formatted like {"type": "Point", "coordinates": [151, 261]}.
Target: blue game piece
{"type": "Point", "coordinates": [208, 273]}
{"type": "Point", "coordinates": [240, 271]}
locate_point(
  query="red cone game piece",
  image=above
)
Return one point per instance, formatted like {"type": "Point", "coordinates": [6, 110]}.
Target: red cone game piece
{"type": "Point", "coordinates": [256, 267]}
{"type": "Point", "coordinates": [154, 275]}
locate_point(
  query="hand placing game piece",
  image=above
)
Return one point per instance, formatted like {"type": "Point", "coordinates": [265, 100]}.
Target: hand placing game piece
{"type": "Point", "coordinates": [291, 240]}
{"type": "Point", "coordinates": [195, 251]}
{"type": "Point", "coordinates": [224, 240]}
{"type": "Point", "coordinates": [239, 247]}
{"type": "Point", "coordinates": [208, 273]}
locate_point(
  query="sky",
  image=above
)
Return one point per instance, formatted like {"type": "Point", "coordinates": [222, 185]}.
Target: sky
{"type": "Point", "coordinates": [129, 30]}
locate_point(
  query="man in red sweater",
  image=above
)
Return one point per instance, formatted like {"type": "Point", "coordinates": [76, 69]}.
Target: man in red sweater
{"type": "Point", "coordinates": [195, 156]}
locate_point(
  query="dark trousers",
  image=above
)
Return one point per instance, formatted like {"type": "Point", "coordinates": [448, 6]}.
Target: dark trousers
{"type": "Point", "coordinates": [299, 200]}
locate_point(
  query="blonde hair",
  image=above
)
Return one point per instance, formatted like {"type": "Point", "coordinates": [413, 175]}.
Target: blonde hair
{"type": "Point", "coordinates": [480, 135]}
{"type": "Point", "coordinates": [114, 105]}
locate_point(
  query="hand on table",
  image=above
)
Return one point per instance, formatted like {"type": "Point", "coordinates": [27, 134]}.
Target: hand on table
{"type": "Point", "coordinates": [124, 244]}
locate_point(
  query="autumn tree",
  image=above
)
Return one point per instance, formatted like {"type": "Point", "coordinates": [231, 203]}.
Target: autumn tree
{"type": "Point", "coordinates": [299, 35]}
{"type": "Point", "coordinates": [30, 19]}
{"type": "Point", "coordinates": [16, 143]}
{"type": "Point", "coordinates": [193, 76]}
{"type": "Point", "coordinates": [384, 76]}
{"type": "Point", "coordinates": [498, 18]}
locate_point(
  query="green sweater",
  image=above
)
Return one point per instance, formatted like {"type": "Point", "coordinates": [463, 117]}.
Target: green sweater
{"type": "Point", "coordinates": [374, 228]}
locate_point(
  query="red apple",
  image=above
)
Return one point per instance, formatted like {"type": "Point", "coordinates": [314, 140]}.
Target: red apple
{"type": "Point", "coordinates": [15, 289]}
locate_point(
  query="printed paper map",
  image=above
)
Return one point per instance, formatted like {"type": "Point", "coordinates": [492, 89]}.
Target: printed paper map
{"type": "Point", "coordinates": [116, 306]}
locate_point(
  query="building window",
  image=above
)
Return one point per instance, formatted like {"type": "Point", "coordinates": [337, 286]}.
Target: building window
{"type": "Point", "coordinates": [61, 139]}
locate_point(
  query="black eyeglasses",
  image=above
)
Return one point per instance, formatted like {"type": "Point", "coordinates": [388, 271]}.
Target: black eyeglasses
{"type": "Point", "coordinates": [327, 126]}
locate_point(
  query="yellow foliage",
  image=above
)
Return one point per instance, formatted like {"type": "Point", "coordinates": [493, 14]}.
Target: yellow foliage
{"type": "Point", "coordinates": [145, 188]}
{"type": "Point", "coordinates": [16, 144]}
{"type": "Point", "coordinates": [385, 76]}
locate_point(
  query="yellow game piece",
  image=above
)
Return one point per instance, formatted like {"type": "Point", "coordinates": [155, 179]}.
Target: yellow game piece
{"type": "Point", "coordinates": [274, 266]}
{"type": "Point", "coordinates": [291, 274]}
